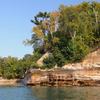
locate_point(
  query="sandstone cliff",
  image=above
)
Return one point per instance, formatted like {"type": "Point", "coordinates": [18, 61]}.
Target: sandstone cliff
{"type": "Point", "coordinates": [92, 60]}
{"type": "Point", "coordinates": [85, 73]}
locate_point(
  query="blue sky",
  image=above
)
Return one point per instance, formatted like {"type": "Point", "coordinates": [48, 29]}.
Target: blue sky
{"type": "Point", "coordinates": [15, 25]}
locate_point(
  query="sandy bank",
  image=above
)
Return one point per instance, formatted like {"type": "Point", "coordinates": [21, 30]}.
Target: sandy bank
{"type": "Point", "coordinates": [10, 82]}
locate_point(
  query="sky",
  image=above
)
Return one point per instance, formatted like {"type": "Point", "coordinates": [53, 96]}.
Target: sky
{"type": "Point", "coordinates": [15, 25]}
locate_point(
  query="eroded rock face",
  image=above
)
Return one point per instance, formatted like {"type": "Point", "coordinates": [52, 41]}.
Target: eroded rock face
{"type": "Point", "coordinates": [85, 73]}
{"type": "Point", "coordinates": [40, 61]}
{"type": "Point", "coordinates": [92, 60]}
{"type": "Point", "coordinates": [90, 77]}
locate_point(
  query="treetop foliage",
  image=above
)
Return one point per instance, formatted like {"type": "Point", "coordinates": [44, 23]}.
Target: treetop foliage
{"type": "Point", "coordinates": [68, 34]}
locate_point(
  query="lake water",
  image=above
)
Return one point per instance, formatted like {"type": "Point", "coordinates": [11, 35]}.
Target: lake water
{"type": "Point", "coordinates": [49, 93]}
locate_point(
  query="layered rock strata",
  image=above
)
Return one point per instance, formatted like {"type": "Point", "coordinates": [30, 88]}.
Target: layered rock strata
{"type": "Point", "coordinates": [60, 77]}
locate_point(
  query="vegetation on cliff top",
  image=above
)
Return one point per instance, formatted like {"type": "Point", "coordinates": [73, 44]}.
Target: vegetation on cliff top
{"type": "Point", "coordinates": [68, 34]}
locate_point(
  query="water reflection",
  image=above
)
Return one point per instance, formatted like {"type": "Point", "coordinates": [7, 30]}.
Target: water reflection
{"type": "Point", "coordinates": [66, 93]}
{"type": "Point", "coordinates": [49, 93]}
{"type": "Point", "coordinates": [15, 93]}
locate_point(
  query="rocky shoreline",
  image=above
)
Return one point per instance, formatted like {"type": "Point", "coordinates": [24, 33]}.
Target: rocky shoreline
{"type": "Point", "coordinates": [85, 73]}
{"type": "Point", "coordinates": [57, 77]}
{"type": "Point", "coordinates": [62, 77]}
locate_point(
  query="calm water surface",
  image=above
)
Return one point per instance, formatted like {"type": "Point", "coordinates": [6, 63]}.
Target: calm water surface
{"type": "Point", "coordinates": [49, 93]}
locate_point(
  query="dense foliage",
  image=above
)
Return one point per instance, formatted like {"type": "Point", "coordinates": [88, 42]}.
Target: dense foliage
{"type": "Point", "coordinates": [68, 34]}
{"type": "Point", "coordinates": [11, 67]}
